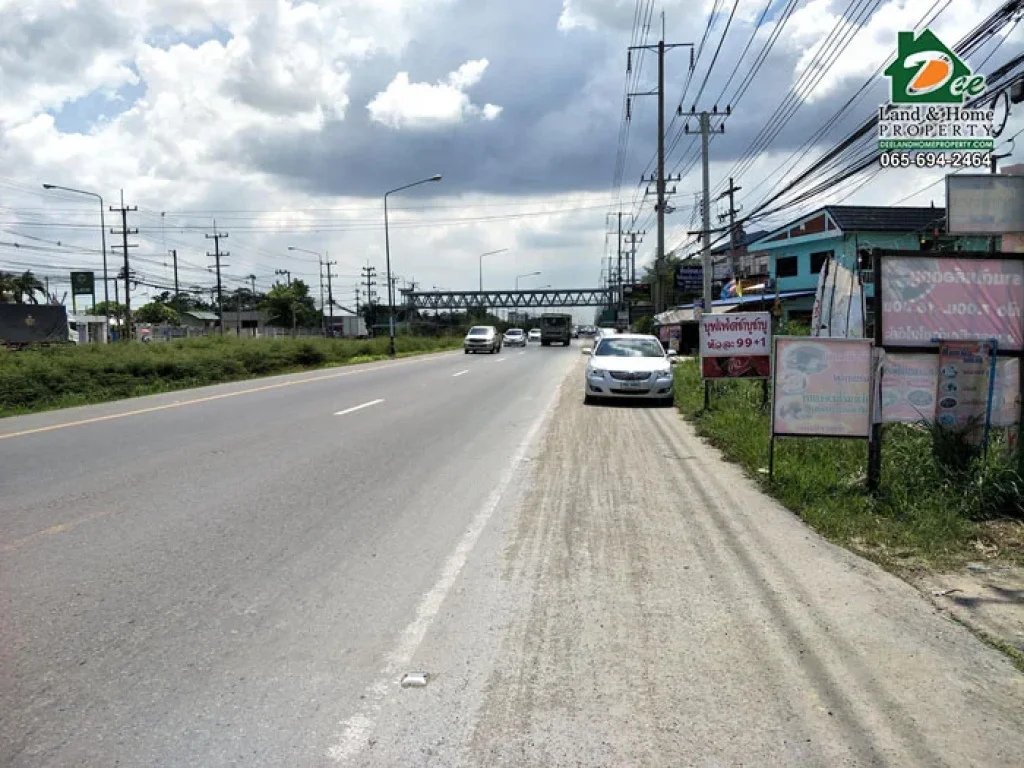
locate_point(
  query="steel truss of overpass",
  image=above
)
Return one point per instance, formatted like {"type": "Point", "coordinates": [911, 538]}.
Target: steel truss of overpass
{"type": "Point", "coordinates": [567, 297]}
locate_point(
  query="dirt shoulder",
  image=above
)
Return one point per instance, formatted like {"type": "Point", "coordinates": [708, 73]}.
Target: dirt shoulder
{"type": "Point", "coordinates": [670, 613]}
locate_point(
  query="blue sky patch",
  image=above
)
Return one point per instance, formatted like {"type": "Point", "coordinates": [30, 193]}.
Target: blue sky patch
{"type": "Point", "coordinates": [80, 115]}
{"type": "Point", "coordinates": [166, 37]}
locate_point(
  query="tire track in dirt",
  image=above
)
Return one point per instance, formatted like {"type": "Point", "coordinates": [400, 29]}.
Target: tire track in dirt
{"type": "Point", "coordinates": [864, 690]}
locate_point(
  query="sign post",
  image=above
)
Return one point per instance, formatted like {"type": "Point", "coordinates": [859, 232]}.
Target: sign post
{"type": "Point", "coordinates": [821, 387]}
{"type": "Point", "coordinates": [82, 284]}
{"type": "Point", "coordinates": [923, 300]}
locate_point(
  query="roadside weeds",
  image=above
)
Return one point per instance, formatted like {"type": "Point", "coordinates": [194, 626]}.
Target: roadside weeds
{"type": "Point", "coordinates": [34, 381]}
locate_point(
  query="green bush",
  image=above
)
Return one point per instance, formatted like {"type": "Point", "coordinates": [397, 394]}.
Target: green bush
{"type": "Point", "coordinates": [51, 377]}
{"type": "Point", "coordinates": [929, 503]}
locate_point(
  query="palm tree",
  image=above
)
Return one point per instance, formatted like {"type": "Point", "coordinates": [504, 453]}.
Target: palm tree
{"type": "Point", "coordinates": [26, 286]}
{"type": "Point", "coordinates": [8, 286]}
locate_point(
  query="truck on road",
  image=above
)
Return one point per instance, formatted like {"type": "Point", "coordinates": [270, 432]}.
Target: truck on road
{"type": "Point", "coordinates": [555, 327]}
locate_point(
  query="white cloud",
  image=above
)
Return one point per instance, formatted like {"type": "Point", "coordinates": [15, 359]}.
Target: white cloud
{"type": "Point", "coordinates": [404, 104]}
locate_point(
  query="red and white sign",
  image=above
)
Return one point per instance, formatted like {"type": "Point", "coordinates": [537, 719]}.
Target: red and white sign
{"type": "Point", "coordinates": [736, 345]}
{"type": "Point", "coordinates": [925, 299]}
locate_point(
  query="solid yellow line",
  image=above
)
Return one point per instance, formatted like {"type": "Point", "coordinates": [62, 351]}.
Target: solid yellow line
{"type": "Point", "coordinates": [196, 401]}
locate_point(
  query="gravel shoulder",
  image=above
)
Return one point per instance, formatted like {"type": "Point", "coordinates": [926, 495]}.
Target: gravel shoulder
{"type": "Point", "coordinates": [637, 601]}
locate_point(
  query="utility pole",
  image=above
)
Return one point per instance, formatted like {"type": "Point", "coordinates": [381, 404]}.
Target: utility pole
{"type": "Point", "coordinates": [622, 297]}
{"type": "Point", "coordinates": [174, 255]}
{"type": "Point", "coordinates": [634, 239]}
{"type": "Point", "coordinates": [660, 180]}
{"type": "Point", "coordinates": [287, 273]}
{"type": "Point", "coordinates": [368, 274]}
{"type": "Point", "coordinates": [706, 129]}
{"type": "Point", "coordinates": [124, 210]}
{"type": "Point", "coordinates": [731, 216]}
{"type": "Point", "coordinates": [217, 237]}
{"type": "Point", "coordinates": [330, 295]}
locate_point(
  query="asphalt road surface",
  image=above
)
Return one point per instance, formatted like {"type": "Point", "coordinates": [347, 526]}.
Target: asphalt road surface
{"type": "Point", "coordinates": [243, 575]}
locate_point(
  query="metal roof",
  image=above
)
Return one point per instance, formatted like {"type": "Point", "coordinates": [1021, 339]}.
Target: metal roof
{"type": "Point", "coordinates": [878, 218]}
{"type": "Point", "coordinates": [200, 315]}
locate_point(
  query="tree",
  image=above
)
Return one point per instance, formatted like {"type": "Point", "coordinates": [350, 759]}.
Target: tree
{"type": "Point", "coordinates": [22, 287]}
{"type": "Point", "coordinates": [116, 310]}
{"type": "Point", "coordinates": [157, 313]}
{"type": "Point", "coordinates": [290, 306]}
{"type": "Point", "coordinates": [7, 286]}
{"type": "Point", "coordinates": [242, 300]}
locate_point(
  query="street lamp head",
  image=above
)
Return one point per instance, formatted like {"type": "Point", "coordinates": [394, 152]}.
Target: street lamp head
{"type": "Point", "coordinates": [47, 186]}
{"type": "Point", "coordinates": [436, 177]}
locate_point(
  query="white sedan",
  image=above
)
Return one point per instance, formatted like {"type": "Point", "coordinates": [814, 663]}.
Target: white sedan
{"type": "Point", "coordinates": [534, 334]}
{"type": "Point", "coordinates": [628, 366]}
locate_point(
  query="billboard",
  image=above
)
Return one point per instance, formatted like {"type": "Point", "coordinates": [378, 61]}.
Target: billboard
{"type": "Point", "coordinates": [925, 299]}
{"type": "Point", "coordinates": [736, 345]}
{"type": "Point", "coordinates": [910, 384]}
{"type": "Point", "coordinates": [984, 204]}
{"type": "Point", "coordinates": [689, 279]}
{"type": "Point", "coordinates": [83, 283]}
{"type": "Point", "coordinates": [640, 292]}
{"type": "Point", "coordinates": [821, 387]}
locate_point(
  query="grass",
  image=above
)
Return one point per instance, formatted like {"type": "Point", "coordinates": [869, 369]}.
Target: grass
{"type": "Point", "coordinates": [35, 380]}
{"type": "Point", "coordinates": [928, 512]}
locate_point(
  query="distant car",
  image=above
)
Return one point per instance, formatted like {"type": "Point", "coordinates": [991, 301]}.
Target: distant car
{"type": "Point", "coordinates": [533, 335]}
{"type": "Point", "coordinates": [603, 332]}
{"type": "Point", "coordinates": [482, 338]}
{"type": "Point", "coordinates": [515, 337]}
{"type": "Point", "coordinates": [628, 366]}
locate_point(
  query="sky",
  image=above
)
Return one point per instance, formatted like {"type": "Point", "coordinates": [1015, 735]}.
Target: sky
{"type": "Point", "coordinates": [286, 121]}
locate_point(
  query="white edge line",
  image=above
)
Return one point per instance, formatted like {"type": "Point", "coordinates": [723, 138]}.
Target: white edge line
{"type": "Point", "coordinates": [357, 728]}
{"type": "Point", "coordinates": [358, 407]}
{"type": "Point", "coordinates": [460, 373]}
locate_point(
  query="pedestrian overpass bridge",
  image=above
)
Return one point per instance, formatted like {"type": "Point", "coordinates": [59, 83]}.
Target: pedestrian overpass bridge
{"type": "Point", "coordinates": [547, 298]}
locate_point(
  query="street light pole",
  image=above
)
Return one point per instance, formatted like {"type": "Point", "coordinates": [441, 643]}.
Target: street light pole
{"type": "Point", "coordinates": [528, 274]}
{"type": "Point", "coordinates": [489, 253]}
{"type": "Point", "coordinates": [387, 260]}
{"type": "Point", "coordinates": [320, 261]}
{"type": "Point", "coordinates": [103, 246]}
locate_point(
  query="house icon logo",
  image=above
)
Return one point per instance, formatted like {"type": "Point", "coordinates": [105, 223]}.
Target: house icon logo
{"type": "Point", "coordinates": [927, 71]}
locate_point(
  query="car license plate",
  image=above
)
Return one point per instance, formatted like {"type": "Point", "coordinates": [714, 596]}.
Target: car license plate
{"type": "Point", "coordinates": [633, 385]}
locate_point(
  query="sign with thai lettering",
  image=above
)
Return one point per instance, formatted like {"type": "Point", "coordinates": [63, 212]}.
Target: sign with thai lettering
{"type": "Point", "coordinates": [910, 384]}
{"type": "Point", "coordinates": [925, 299]}
{"type": "Point", "coordinates": [822, 387]}
{"type": "Point", "coordinates": [966, 370]}
{"type": "Point", "coordinates": [736, 345]}
{"type": "Point", "coordinates": [689, 279]}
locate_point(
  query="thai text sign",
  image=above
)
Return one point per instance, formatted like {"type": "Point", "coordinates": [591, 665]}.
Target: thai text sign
{"type": "Point", "coordinates": [925, 299]}
{"type": "Point", "coordinates": [822, 387]}
{"type": "Point", "coordinates": [910, 384]}
{"type": "Point", "coordinates": [736, 345]}
{"type": "Point", "coordinates": [689, 279]}
{"type": "Point", "coordinates": [965, 370]}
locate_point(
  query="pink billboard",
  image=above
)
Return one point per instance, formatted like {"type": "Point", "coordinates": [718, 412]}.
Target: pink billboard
{"type": "Point", "coordinates": [822, 387]}
{"type": "Point", "coordinates": [925, 299]}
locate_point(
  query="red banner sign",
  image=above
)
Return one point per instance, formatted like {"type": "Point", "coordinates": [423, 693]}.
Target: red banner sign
{"type": "Point", "coordinates": [736, 345]}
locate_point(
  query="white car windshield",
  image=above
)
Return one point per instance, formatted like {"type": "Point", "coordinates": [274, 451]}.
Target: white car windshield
{"type": "Point", "coordinates": [513, 332]}
{"type": "Point", "coordinates": [613, 347]}
{"type": "Point", "coordinates": [479, 331]}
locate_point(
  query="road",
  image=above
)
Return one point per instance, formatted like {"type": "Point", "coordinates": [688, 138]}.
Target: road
{"type": "Point", "coordinates": [242, 575]}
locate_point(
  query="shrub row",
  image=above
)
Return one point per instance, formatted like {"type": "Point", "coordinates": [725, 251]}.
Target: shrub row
{"type": "Point", "coordinates": [38, 379]}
